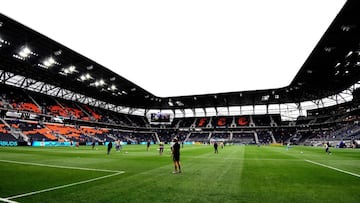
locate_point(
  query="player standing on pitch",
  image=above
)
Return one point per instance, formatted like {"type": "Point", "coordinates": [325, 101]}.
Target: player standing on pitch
{"type": "Point", "coordinates": [175, 150]}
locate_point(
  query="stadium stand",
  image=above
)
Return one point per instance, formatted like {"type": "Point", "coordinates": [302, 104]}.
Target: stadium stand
{"type": "Point", "coordinates": [42, 103]}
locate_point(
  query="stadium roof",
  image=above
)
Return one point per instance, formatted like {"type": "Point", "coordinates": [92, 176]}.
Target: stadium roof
{"type": "Point", "coordinates": [332, 66]}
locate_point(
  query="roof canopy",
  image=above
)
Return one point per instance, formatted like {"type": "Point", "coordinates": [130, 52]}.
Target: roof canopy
{"type": "Point", "coordinates": [331, 67]}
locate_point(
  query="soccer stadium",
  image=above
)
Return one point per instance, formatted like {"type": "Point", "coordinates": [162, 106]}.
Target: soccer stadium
{"type": "Point", "coordinates": [61, 111]}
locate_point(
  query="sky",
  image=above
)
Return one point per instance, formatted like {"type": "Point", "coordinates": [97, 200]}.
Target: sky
{"type": "Point", "coordinates": [187, 47]}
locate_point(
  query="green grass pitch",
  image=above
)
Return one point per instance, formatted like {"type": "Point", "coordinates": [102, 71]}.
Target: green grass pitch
{"type": "Point", "coordinates": [236, 174]}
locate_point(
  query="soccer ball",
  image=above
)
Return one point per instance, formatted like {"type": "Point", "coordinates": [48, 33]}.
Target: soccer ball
{"type": "Point", "coordinates": [301, 152]}
{"type": "Point", "coordinates": [126, 152]}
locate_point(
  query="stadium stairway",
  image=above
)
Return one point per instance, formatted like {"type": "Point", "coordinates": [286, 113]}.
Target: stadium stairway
{"type": "Point", "coordinates": [17, 133]}
{"type": "Point", "coordinates": [108, 135]}
{"type": "Point", "coordinates": [256, 138]}
{"type": "Point", "coordinates": [157, 137]}
{"type": "Point", "coordinates": [84, 111]}
{"type": "Point", "coordinates": [272, 137]}
{"type": "Point", "coordinates": [187, 137]}
{"type": "Point", "coordinates": [33, 100]}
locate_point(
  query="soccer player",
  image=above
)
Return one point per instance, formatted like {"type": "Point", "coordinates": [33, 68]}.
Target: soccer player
{"type": "Point", "coordinates": [327, 150]}
{"type": "Point", "coordinates": [175, 150]}
{"type": "Point", "coordinates": [109, 147]}
{"type": "Point", "coordinates": [216, 147]}
{"type": "Point", "coordinates": [148, 145]}
{"type": "Point", "coordinates": [93, 144]}
{"type": "Point", "coordinates": [288, 146]}
{"type": "Point", "coordinates": [161, 148]}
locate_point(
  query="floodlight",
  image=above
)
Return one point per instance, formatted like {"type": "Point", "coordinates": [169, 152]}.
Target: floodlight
{"type": "Point", "coordinates": [25, 52]}
{"type": "Point", "coordinates": [101, 82]}
{"type": "Point", "coordinates": [72, 68]}
{"type": "Point", "coordinates": [87, 76]}
{"type": "Point", "coordinates": [179, 103]}
{"type": "Point", "coordinates": [49, 62]}
{"type": "Point", "coordinates": [265, 98]}
{"type": "Point", "coordinates": [97, 83]}
{"type": "Point", "coordinates": [113, 87]}
{"type": "Point", "coordinates": [349, 54]}
{"type": "Point", "coordinates": [83, 77]}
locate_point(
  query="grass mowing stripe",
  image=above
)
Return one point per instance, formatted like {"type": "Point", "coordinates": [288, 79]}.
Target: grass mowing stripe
{"type": "Point", "coordinates": [336, 169]}
{"type": "Point", "coordinates": [6, 200]}
{"type": "Point", "coordinates": [64, 167]}
{"type": "Point", "coordinates": [64, 186]}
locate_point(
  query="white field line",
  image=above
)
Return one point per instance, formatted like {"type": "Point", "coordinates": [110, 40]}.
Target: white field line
{"type": "Point", "coordinates": [336, 169]}
{"type": "Point", "coordinates": [56, 166]}
{"type": "Point", "coordinates": [63, 186]}
{"type": "Point", "coordinates": [6, 200]}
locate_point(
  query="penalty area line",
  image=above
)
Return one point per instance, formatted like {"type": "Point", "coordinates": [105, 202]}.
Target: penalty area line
{"type": "Point", "coordinates": [333, 168]}
{"type": "Point", "coordinates": [62, 186]}
{"type": "Point", "coordinates": [56, 166]}
{"type": "Point", "coordinates": [7, 200]}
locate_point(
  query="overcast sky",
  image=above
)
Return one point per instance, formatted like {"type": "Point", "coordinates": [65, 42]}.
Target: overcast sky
{"type": "Point", "coordinates": [176, 48]}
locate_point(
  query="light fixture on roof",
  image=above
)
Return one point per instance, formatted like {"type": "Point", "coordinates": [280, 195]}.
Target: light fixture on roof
{"type": "Point", "coordinates": [337, 73]}
{"type": "Point", "coordinates": [58, 52]}
{"type": "Point", "coordinates": [179, 103]}
{"type": "Point", "coordinates": [265, 98]}
{"type": "Point", "coordinates": [337, 65]}
{"type": "Point", "coordinates": [113, 87]}
{"type": "Point", "coordinates": [98, 83]}
{"type": "Point", "coordinates": [72, 69]}
{"type": "Point", "coordinates": [2, 41]}
{"type": "Point", "coordinates": [124, 92]}
{"type": "Point", "coordinates": [85, 77]}
{"type": "Point", "coordinates": [49, 62]}
{"type": "Point", "coordinates": [170, 103]}
{"type": "Point", "coordinates": [277, 96]}
{"type": "Point", "coordinates": [347, 72]}
{"type": "Point", "coordinates": [329, 49]}
{"type": "Point", "coordinates": [1, 24]}
{"type": "Point", "coordinates": [133, 89]}
{"type": "Point", "coordinates": [24, 52]}
{"type": "Point", "coordinates": [90, 67]}
{"type": "Point", "coordinates": [349, 54]}
{"type": "Point", "coordinates": [112, 79]}
{"type": "Point", "coordinates": [345, 28]}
